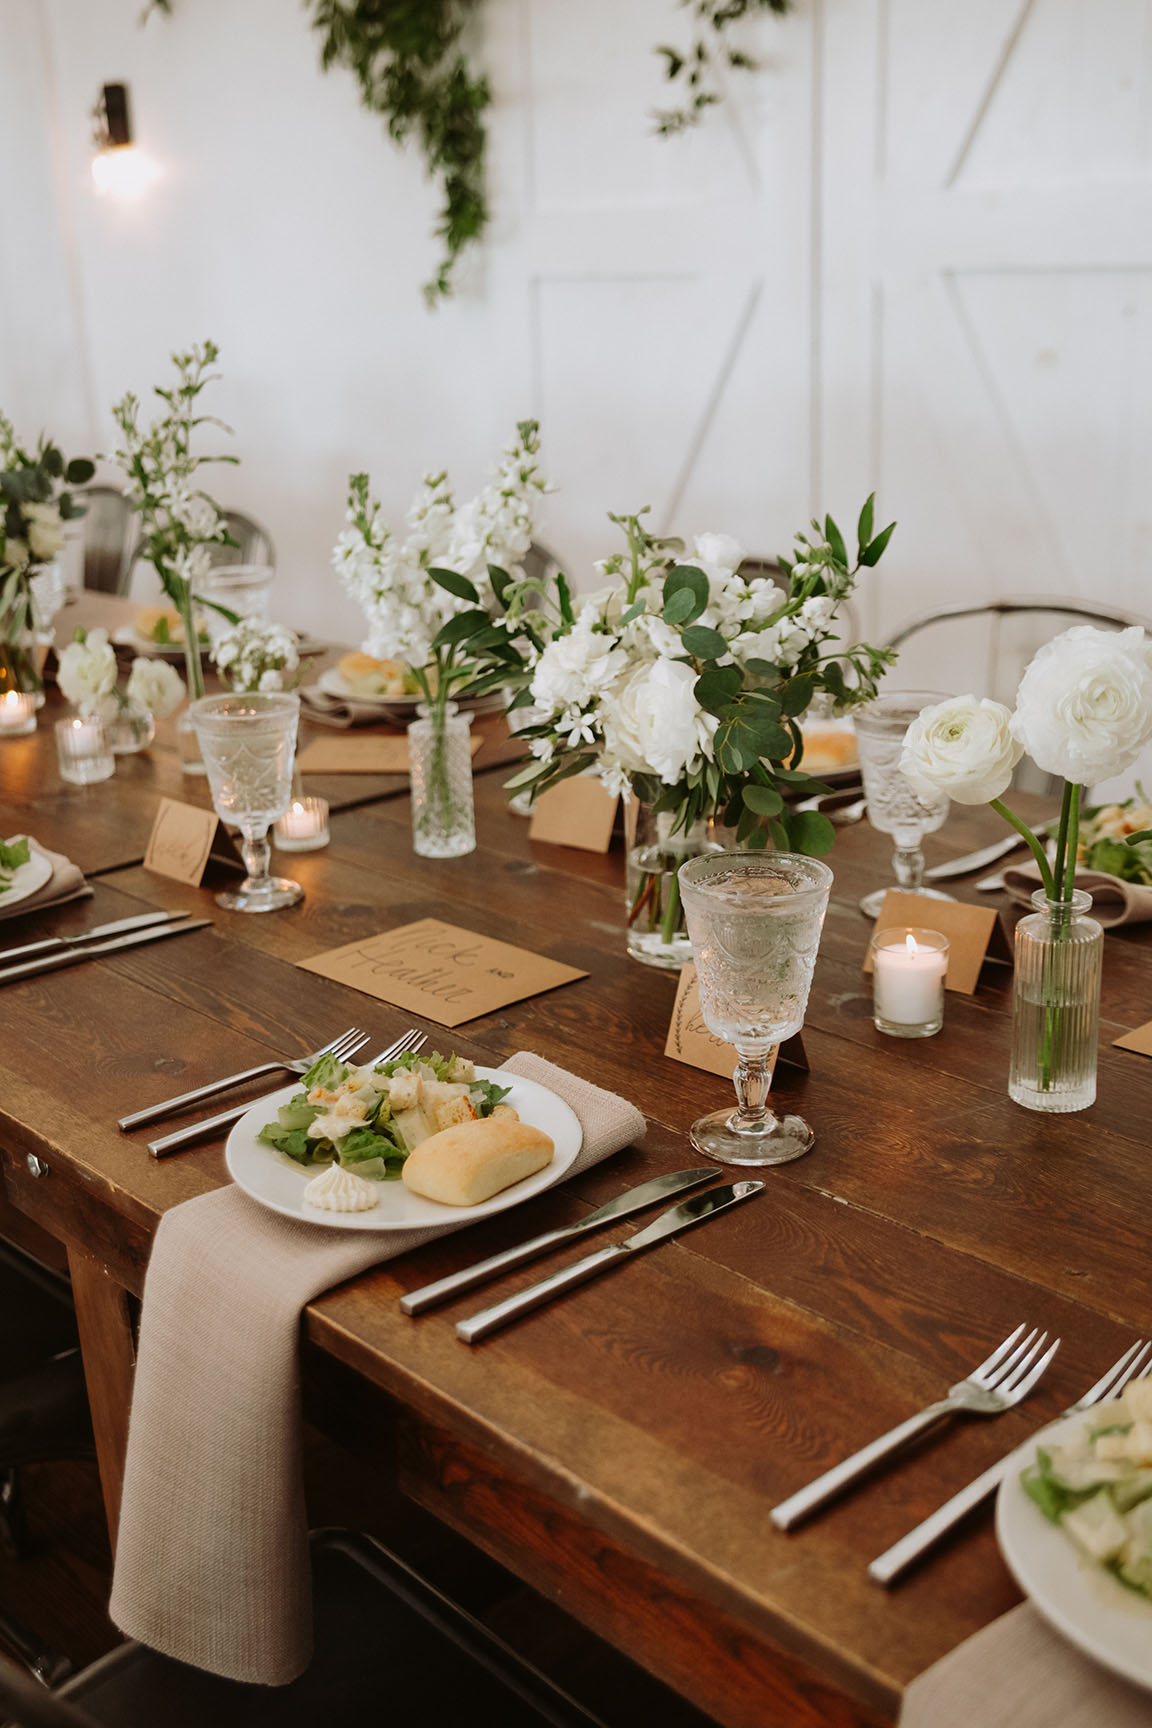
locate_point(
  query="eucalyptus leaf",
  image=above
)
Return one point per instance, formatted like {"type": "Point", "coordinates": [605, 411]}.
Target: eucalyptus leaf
{"type": "Point", "coordinates": [809, 832]}
{"type": "Point", "coordinates": [765, 800]}
{"type": "Point", "coordinates": [703, 643]}
{"type": "Point", "coordinates": [684, 579]}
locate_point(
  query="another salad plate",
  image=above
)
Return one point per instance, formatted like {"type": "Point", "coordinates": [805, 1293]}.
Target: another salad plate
{"type": "Point", "coordinates": [277, 1182]}
{"type": "Point", "coordinates": [1085, 1603]}
{"type": "Point", "coordinates": [398, 707]}
{"type": "Point", "coordinates": [25, 879]}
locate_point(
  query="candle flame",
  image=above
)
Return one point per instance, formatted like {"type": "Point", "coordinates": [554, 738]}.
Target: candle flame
{"type": "Point", "coordinates": [911, 945]}
{"type": "Point", "coordinates": [297, 807]}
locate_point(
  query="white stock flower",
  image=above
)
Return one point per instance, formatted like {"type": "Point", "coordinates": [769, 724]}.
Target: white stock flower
{"type": "Point", "coordinates": [156, 685]}
{"type": "Point", "coordinates": [1084, 706]}
{"type": "Point", "coordinates": [254, 655]}
{"type": "Point", "coordinates": [719, 551]}
{"type": "Point", "coordinates": [653, 723]}
{"type": "Point", "coordinates": [45, 530]}
{"type": "Point", "coordinates": [87, 671]}
{"type": "Point", "coordinates": [963, 748]}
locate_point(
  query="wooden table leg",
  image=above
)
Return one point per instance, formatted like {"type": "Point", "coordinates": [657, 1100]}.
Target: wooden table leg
{"type": "Point", "coordinates": [108, 1345]}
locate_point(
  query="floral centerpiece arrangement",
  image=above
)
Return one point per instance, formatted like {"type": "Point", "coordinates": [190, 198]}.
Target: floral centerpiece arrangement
{"type": "Point", "coordinates": [35, 501]}
{"type": "Point", "coordinates": [255, 655]}
{"type": "Point", "coordinates": [180, 521]}
{"type": "Point", "coordinates": [88, 676]}
{"type": "Point", "coordinates": [1083, 713]}
{"type": "Point", "coordinates": [684, 682]}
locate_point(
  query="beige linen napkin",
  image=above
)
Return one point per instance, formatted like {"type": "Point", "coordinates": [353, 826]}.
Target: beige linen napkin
{"type": "Point", "coordinates": [65, 883]}
{"type": "Point", "coordinates": [1113, 900]}
{"type": "Point", "coordinates": [1018, 1673]}
{"type": "Point", "coordinates": [341, 712]}
{"type": "Point", "coordinates": [211, 1555]}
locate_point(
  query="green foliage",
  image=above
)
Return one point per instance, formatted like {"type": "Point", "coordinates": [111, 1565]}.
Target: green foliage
{"type": "Point", "coordinates": [699, 68]}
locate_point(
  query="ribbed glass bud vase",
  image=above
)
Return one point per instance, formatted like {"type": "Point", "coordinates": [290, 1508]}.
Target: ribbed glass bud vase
{"type": "Point", "coordinates": [1056, 1005]}
{"type": "Point", "coordinates": [440, 766]}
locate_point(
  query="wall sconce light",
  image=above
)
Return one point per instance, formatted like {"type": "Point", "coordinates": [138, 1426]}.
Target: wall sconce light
{"type": "Point", "coordinates": [118, 166]}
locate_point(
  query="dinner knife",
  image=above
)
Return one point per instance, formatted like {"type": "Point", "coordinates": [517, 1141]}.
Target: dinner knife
{"type": "Point", "coordinates": [977, 860]}
{"type": "Point", "coordinates": [71, 956]}
{"type": "Point", "coordinates": [53, 944]}
{"type": "Point", "coordinates": [695, 1211]}
{"type": "Point", "coordinates": [659, 1188]}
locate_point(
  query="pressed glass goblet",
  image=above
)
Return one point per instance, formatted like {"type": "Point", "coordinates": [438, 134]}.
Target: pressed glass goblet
{"type": "Point", "coordinates": [893, 807]}
{"type": "Point", "coordinates": [248, 743]}
{"type": "Point", "coordinates": [754, 919]}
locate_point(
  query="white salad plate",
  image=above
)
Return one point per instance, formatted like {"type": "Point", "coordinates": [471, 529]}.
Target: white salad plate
{"type": "Point", "coordinates": [26, 878]}
{"type": "Point", "coordinates": [126, 637]}
{"type": "Point", "coordinates": [398, 707]}
{"type": "Point", "coordinates": [1082, 1601]}
{"type": "Point", "coordinates": [277, 1182]}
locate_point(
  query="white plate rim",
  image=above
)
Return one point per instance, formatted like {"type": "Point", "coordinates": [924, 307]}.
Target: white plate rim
{"type": "Point", "coordinates": [126, 637]}
{"type": "Point", "coordinates": [1079, 1599]}
{"type": "Point", "coordinates": [332, 684]}
{"type": "Point", "coordinates": [26, 878]}
{"type": "Point", "coordinates": [249, 1164]}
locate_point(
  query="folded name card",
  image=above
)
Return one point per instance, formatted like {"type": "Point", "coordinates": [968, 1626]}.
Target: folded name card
{"type": "Point", "coordinates": [579, 812]}
{"type": "Point", "coordinates": [974, 933]}
{"type": "Point", "coordinates": [440, 971]}
{"type": "Point", "coordinates": [360, 753]}
{"type": "Point", "coordinates": [182, 840]}
{"type": "Point", "coordinates": [690, 1041]}
{"type": "Point", "coordinates": [1139, 1040]}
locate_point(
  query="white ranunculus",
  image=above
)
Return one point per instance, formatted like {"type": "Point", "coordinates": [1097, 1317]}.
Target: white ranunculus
{"type": "Point", "coordinates": [156, 685]}
{"type": "Point", "coordinates": [653, 724]}
{"type": "Point", "coordinates": [45, 530]}
{"type": "Point", "coordinates": [720, 551]}
{"type": "Point", "coordinates": [963, 748]}
{"type": "Point", "coordinates": [1084, 706]}
{"type": "Point", "coordinates": [87, 671]}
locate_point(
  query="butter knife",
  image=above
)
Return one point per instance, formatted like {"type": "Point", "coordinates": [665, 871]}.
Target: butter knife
{"type": "Point", "coordinates": [695, 1211]}
{"type": "Point", "coordinates": [55, 944]}
{"type": "Point", "coordinates": [72, 956]}
{"type": "Point", "coordinates": [659, 1188]}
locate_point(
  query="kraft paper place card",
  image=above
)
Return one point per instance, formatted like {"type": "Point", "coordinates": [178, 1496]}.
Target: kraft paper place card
{"type": "Point", "coordinates": [360, 753]}
{"type": "Point", "coordinates": [440, 971]}
{"type": "Point", "coordinates": [974, 933]}
{"type": "Point", "coordinates": [182, 840]}
{"type": "Point", "coordinates": [579, 812]}
{"type": "Point", "coordinates": [690, 1041]}
{"type": "Point", "coordinates": [1139, 1040]}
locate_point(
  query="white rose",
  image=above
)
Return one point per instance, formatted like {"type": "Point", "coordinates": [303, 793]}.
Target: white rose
{"type": "Point", "coordinates": [963, 748]}
{"type": "Point", "coordinates": [87, 671]}
{"type": "Point", "coordinates": [719, 550]}
{"type": "Point", "coordinates": [1084, 706]}
{"type": "Point", "coordinates": [156, 686]}
{"type": "Point", "coordinates": [654, 724]}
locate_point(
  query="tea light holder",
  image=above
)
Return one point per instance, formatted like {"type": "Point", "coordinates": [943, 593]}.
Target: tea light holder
{"type": "Point", "coordinates": [908, 970]}
{"type": "Point", "coordinates": [303, 826]}
{"type": "Point", "coordinates": [18, 712]}
{"type": "Point", "coordinates": [84, 752]}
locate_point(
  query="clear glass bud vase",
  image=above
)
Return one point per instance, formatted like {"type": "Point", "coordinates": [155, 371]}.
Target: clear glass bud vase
{"type": "Point", "coordinates": [1056, 1005]}
{"type": "Point", "coordinates": [440, 765]}
{"type": "Point", "coordinates": [656, 929]}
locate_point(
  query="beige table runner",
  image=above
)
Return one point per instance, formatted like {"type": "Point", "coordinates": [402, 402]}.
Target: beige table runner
{"type": "Point", "coordinates": [211, 1554]}
{"type": "Point", "coordinates": [1018, 1673]}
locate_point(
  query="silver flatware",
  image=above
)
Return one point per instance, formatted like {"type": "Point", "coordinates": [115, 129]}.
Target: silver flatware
{"type": "Point", "coordinates": [72, 956]}
{"type": "Point", "coordinates": [695, 1211]}
{"type": "Point", "coordinates": [843, 807]}
{"type": "Point", "coordinates": [210, 1125]}
{"type": "Point", "coordinates": [659, 1188]}
{"type": "Point", "coordinates": [895, 1560]}
{"type": "Point", "coordinates": [995, 1384]}
{"type": "Point", "coordinates": [977, 860]}
{"type": "Point", "coordinates": [58, 944]}
{"type": "Point", "coordinates": [344, 1045]}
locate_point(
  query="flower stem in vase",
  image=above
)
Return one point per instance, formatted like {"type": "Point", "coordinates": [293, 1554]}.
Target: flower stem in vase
{"type": "Point", "coordinates": [189, 745]}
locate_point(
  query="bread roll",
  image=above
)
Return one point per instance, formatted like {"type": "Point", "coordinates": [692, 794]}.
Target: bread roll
{"type": "Point", "coordinates": [464, 1165]}
{"type": "Point", "coordinates": [369, 677]}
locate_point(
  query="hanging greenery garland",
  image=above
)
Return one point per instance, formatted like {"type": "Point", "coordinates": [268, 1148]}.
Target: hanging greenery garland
{"type": "Point", "coordinates": [698, 67]}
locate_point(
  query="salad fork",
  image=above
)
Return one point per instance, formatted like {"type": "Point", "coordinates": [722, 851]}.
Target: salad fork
{"type": "Point", "coordinates": [895, 1560]}
{"type": "Point", "coordinates": [204, 1129]}
{"type": "Point", "coordinates": [346, 1044]}
{"type": "Point", "coordinates": [996, 1384]}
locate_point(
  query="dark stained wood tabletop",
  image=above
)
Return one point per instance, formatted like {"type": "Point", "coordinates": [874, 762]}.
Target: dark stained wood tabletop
{"type": "Point", "coordinates": [620, 1449]}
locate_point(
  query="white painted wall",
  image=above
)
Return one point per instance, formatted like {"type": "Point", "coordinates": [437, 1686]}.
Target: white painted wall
{"type": "Point", "coordinates": [914, 253]}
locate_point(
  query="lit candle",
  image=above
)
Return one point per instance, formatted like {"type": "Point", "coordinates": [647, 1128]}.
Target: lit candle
{"type": "Point", "coordinates": [18, 712]}
{"type": "Point", "coordinates": [908, 970]}
{"type": "Point", "coordinates": [303, 826]}
{"type": "Point", "coordinates": [83, 750]}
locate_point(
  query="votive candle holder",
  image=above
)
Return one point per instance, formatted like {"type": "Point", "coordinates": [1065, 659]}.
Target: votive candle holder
{"type": "Point", "coordinates": [18, 713]}
{"type": "Point", "coordinates": [83, 750]}
{"type": "Point", "coordinates": [909, 966]}
{"type": "Point", "coordinates": [303, 826]}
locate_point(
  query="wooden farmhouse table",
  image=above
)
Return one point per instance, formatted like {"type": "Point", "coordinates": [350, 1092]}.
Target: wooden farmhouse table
{"type": "Point", "coordinates": [620, 1449]}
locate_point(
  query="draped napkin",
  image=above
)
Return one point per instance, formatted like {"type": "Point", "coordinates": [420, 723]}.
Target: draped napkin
{"type": "Point", "coordinates": [1114, 901]}
{"type": "Point", "coordinates": [341, 711]}
{"type": "Point", "coordinates": [1018, 1673]}
{"type": "Point", "coordinates": [211, 1555]}
{"type": "Point", "coordinates": [65, 883]}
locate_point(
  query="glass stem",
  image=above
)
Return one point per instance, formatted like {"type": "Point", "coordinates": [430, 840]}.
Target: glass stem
{"type": "Point", "coordinates": [908, 863]}
{"type": "Point", "coordinates": [257, 855]}
{"type": "Point", "coordinates": [752, 1079]}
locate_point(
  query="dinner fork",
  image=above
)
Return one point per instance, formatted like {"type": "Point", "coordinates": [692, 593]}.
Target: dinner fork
{"type": "Point", "coordinates": [204, 1129]}
{"type": "Point", "coordinates": [346, 1044]}
{"type": "Point", "coordinates": [996, 1384]}
{"type": "Point", "coordinates": [895, 1560]}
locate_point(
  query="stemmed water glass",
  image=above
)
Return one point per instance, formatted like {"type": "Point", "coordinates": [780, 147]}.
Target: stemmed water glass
{"type": "Point", "coordinates": [754, 919]}
{"type": "Point", "coordinates": [248, 744]}
{"type": "Point", "coordinates": [893, 807]}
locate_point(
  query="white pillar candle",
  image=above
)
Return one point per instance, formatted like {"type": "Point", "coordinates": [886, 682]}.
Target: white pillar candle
{"type": "Point", "coordinates": [908, 969]}
{"type": "Point", "coordinates": [18, 713]}
{"type": "Point", "coordinates": [84, 752]}
{"type": "Point", "coordinates": [303, 826]}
